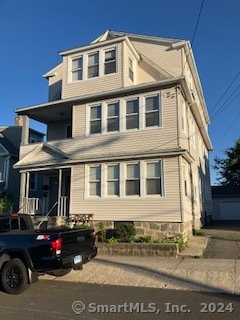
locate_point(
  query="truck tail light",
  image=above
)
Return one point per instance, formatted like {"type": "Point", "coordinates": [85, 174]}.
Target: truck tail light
{"type": "Point", "coordinates": [56, 246]}
{"type": "Point", "coordinates": [94, 237]}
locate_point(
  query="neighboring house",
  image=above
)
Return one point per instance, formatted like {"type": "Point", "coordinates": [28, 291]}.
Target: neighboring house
{"type": "Point", "coordinates": [226, 202]}
{"type": "Point", "coordinates": [127, 135]}
{"type": "Point", "coordinates": [10, 139]}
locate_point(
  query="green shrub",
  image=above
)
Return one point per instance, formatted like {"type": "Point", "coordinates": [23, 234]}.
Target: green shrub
{"type": "Point", "coordinates": [112, 240]}
{"type": "Point", "coordinates": [144, 239]}
{"type": "Point", "coordinates": [125, 232]}
{"type": "Point", "coordinates": [6, 204]}
{"type": "Point", "coordinates": [102, 232]}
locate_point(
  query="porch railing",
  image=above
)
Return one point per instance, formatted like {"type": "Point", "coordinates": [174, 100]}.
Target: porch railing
{"type": "Point", "coordinates": [38, 206]}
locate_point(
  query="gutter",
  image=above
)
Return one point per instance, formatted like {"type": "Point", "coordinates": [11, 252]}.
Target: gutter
{"type": "Point", "coordinates": [104, 95]}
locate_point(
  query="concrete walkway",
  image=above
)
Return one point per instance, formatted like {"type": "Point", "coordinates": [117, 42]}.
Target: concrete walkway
{"type": "Point", "coordinates": [182, 273]}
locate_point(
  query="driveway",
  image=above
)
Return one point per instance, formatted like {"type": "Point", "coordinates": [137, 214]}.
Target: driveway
{"type": "Point", "coordinates": [224, 240]}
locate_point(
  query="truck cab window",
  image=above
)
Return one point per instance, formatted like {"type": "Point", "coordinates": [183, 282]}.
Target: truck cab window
{"type": "Point", "coordinates": [15, 224]}
{"type": "Point", "coordinates": [4, 225]}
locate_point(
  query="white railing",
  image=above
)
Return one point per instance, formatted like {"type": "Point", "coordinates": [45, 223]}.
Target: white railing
{"type": "Point", "coordinates": [38, 206]}
{"type": "Point", "coordinates": [63, 206]}
{"type": "Point", "coordinates": [31, 205]}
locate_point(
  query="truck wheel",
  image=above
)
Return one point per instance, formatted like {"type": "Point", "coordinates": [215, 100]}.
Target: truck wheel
{"type": "Point", "coordinates": [14, 276]}
{"type": "Point", "coordinates": [59, 272]}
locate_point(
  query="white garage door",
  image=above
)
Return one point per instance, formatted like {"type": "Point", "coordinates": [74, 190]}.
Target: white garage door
{"type": "Point", "coordinates": [230, 210]}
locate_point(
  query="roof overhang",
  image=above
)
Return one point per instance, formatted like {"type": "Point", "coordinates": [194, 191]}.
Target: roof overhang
{"type": "Point", "coordinates": [62, 109]}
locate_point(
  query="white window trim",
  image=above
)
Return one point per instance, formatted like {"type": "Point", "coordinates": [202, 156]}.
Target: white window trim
{"type": "Point", "coordinates": [84, 56]}
{"type": "Point", "coordinates": [122, 180]}
{"type": "Point", "coordinates": [149, 95]}
{"type": "Point", "coordinates": [122, 114]}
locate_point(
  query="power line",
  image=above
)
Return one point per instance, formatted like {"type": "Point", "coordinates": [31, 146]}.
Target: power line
{"type": "Point", "coordinates": [225, 92]}
{"type": "Point", "coordinates": [198, 19]}
{"type": "Point", "coordinates": [193, 37]}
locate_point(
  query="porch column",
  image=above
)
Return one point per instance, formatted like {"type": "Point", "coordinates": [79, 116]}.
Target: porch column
{"type": "Point", "coordinates": [25, 131]}
{"type": "Point", "coordinates": [59, 190]}
{"type": "Point", "coordinates": [22, 191]}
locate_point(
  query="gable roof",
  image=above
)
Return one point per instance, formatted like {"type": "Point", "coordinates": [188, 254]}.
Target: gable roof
{"type": "Point", "coordinates": [115, 36]}
{"type": "Point", "coordinates": [8, 146]}
{"type": "Point", "coordinates": [110, 34]}
{"type": "Point", "coordinates": [43, 154]}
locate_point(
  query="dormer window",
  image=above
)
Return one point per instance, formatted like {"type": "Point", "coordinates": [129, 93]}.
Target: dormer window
{"type": "Point", "coordinates": [93, 65]}
{"type": "Point", "coordinates": [110, 61]}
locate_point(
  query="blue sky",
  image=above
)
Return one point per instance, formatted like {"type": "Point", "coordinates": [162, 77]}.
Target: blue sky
{"type": "Point", "coordinates": [32, 32]}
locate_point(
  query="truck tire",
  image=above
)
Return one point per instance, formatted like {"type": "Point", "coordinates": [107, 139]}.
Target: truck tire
{"type": "Point", "coordinates": [14, 276]}
{"type": "Point", "coordinates": [59, 272]}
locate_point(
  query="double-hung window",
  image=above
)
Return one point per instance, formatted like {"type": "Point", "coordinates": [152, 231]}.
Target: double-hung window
{"type": "Point", "coordinates": [110, 61]}
{"type": "Point", "coordinates": [95, 119]}
{"type": "Point", "coordinates": [113, 180]}
{"type": "Point", "coordinates": [113, 116]}
{"type": "Point", "coordinates": [93, 65]}
{"type": "Point", "coordinates": [133, 179]}
{"type": "Point", "coordinates": [153, 178]}
{"type": "Point", "coordinates": [77, 69]}
{"type": "Point", "coordinates": [132, 114]}
{"type": "Point", "coordinates": [95, 180]}
{"type": "Point", "coordinates": [130, 69]}
{"type": "Point", "coordinates": [152, 111]}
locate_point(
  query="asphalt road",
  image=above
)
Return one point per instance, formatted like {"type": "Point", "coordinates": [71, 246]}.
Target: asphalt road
{"type": "Point", "coordinates": [71, 301]}
{"type": "Point", "coordinates": [224, 240]}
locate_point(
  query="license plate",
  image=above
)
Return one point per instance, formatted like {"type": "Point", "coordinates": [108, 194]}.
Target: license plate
{"type": "Point", "coordinates": [77, 259]}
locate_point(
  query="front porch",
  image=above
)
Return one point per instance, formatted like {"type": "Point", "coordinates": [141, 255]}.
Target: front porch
{"type": "Point", "coordinates": [45, 192]}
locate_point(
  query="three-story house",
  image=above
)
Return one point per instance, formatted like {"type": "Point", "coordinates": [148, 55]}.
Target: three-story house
{"type": "Point", "coordinates": [127, 136]}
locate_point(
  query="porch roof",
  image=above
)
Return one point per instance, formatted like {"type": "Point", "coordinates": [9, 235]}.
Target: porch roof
{"type": "Point", "coordinates": [62, 109]}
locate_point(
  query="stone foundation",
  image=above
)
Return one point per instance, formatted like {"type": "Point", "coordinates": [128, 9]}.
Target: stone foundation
{"type": "Point", "coordinates": [155, 229]}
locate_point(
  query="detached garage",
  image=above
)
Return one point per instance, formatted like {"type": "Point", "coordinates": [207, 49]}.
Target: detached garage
{"type": "Point", "coordinates": [226, 202]}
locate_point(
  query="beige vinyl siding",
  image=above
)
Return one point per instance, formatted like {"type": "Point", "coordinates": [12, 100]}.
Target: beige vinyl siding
{"type": "Point", "coordinates": [147, 73]}
{"type": "Point", "coordinates": [146, 208]}
{"type": "Point", "coordinates": [79, 121]}
{"type": "Point", "coordinates": [162, 56]}
{"type": "Point", "coordinates": [55, 83]}
{"type": "Point", "coordinates": [183, 134]}
{"type": "Point", "coordinates": [126, 55]}
{"type": "Point", "coordinates": [99, 84]}
{"type": "Point", "coordinates": [131, 142]}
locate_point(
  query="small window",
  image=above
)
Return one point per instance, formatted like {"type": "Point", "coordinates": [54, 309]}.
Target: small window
{"type": "Point", "coordinates": [77, 69]}
{"type": "Point", "coordinates": [152, 111]}
{"type": "Point", "coordinates": [130, 69]}
{"type": "Point", "coordinates": [113, 180]}
{"type": "Point", "coordinates": [95, 181]}
{"type": "Point", "coordinates": [95, 119]}
{"type": "Point", "coordinates": [93, 65]}
{"type": "Point", "coordinates": [110, 61]}
{"type": "Point", "coordinates": [133, 179]}
{"type": "Point", "coordinates": [132, 114]}
{"type": "Point", "coordinates": [113, 117]}
{"type": "Point", "coordinates": [153, 178]}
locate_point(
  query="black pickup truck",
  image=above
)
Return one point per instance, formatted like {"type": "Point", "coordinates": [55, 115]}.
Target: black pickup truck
{"type": "Point", "coordinates": [25, 252]}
